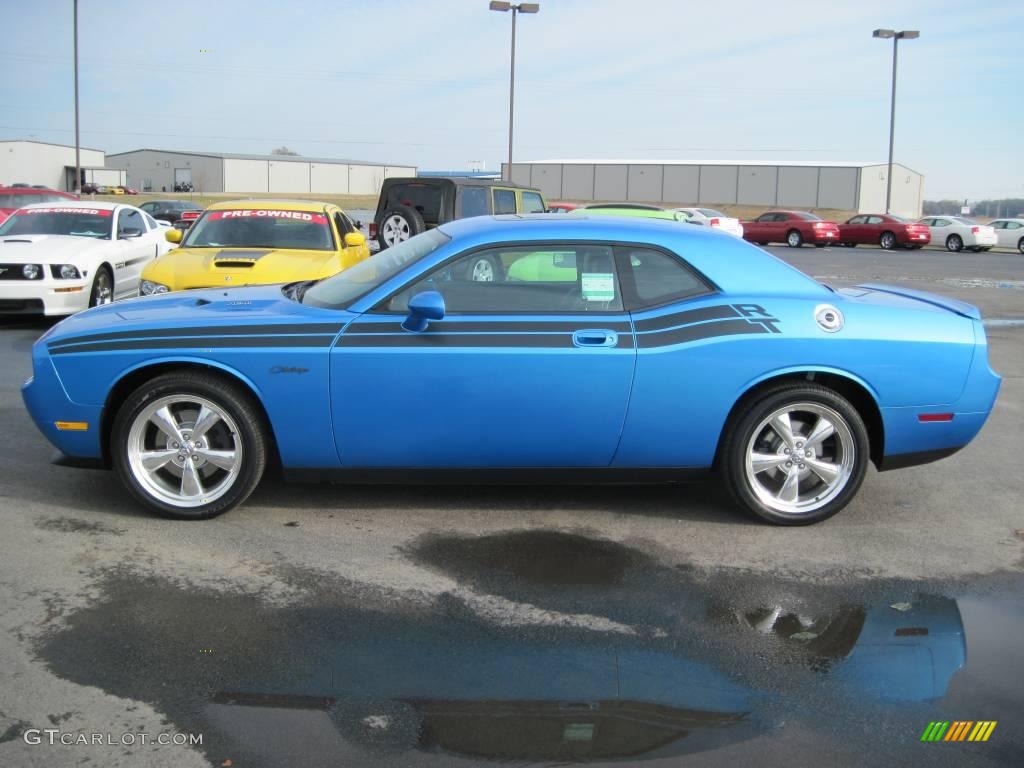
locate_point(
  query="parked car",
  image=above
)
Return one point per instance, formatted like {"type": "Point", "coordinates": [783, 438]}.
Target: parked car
{"type": "Point", "coordinates": [959, 232]}
{"type": "Point", "coordinates": [59, 258]}
{"type": "Point", "coordinates": [115, 190]}
{"type": "Point", "coordinates": [187, 219]}
{"type": "Point", "coordinates": [90, 189]}
{"type": "Point", "coordinates": [709, 217]}
{"type": "Point", "coordinates": [14, 197]}
{"type": "Point", "coordinates": [409, 206]}
{"type": "Point", "coordinates": [885, 230]}
{"type": "Point", "coordinates": [253, 242]}
{"type": "Point", "coordinates": [405, 364]}
{"type": "Point", "coordinates": [128, 190]}
{"type": "Point", "coordinates": [794, 228]}
{"type": "Point", "coordinates": [562, 207]}
{"type": "Point", "coordinates": [1009, 233]}
{"type": "Point", "coordinates": [170, 210]}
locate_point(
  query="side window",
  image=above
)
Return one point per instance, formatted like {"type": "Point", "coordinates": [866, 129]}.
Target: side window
{"type": "Point", "coordinates": [532, 203]}
{"type": "Point", "coordinates": [130, 222]}
{"type": "Point", "coordinates": [504, 201]}
{"type": "Point", "coordinates": [148, 207]}
{"type": "Point", "coordinates": [928, 222]}
{"type": "Point", "coordinates": [555, 278]}
{"type": "Point", "coordinates": [1014, 225]}
{"type": "Point", "coordinates": [151, 222]}
{"type": "Point", "coordinates": [874, 220]}
{"type": "Point", "coordinates": [764, 218]}
{"type": "Point", "coordinates": [344, 225]}
{"type": "Point", "coordinates": [856, 220]}
{"type": "Point", "coordinates": [473, 202]}
{"type": "Point", "coordinates": [659, 278]}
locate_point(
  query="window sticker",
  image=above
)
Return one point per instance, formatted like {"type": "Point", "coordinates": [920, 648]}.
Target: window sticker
{"type": "Point", "coordinates": [262, 213]}
{"type": "Point", "coordinates": [598, 286]}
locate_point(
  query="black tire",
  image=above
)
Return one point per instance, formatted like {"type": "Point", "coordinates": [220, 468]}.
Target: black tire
{"type": "Point", "coordinates": [1020, 245]}
{"type": "Point", "coordinates": [405, 219]}
{"type": "Point", "coordinates": [484, 269]}
{"type": "Point", "coordinates": [794, 239]}
{"type": "Point", "coordinates": [739, 433]}
{"type": "Point", "coordinates": [887, 241]}
{"type": "Point", "coordinates": [102, 291]}
{"type": "Point", "coordinates": [228, 396]}
{"type": "Point", "coordinates": [954, 243]}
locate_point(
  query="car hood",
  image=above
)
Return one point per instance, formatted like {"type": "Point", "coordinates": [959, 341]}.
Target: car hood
{"type": "Point", "coordinates": [205, 310]}
{"type": "Point", "coordinates": [185, 268]}
{"type": "Point", "coordinates": [47, 249]}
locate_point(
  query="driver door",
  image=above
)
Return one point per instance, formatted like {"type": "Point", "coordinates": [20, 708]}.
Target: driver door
{"type": "Point", "coordinates": [531, 366]}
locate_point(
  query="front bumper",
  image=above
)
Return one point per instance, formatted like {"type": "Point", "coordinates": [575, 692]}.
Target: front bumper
{"type": "Point", "coordinates": [44, 297]}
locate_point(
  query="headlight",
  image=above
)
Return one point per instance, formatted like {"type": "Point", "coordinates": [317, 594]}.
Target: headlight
{"type": "Point", "coordinates": [31, 271]}
{"type": "Point", "coordinates": [148, 288]}
{"type": "Point", "coordinates": [65, 271]}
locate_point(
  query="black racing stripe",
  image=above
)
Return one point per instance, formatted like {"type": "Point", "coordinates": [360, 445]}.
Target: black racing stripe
{"type": "Point", "coordinates": [502, 326]}
{"type": "Point", "coordinates": [430, 340]}
{"type": "Point", "coordinates": [697, 332]}
{"type": "Point", "coordinates": [136, 261]}
{"type": "Point", "coordinates": [210, 330]}
{"type": "Point", "coordinates": [718, 312]}
{"type": "Point", "coordinates": [268, 342]}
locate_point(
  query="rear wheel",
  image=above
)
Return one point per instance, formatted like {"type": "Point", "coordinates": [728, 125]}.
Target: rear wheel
{"type": "Point", "coordinates": [887, 241]}
{"type": "Point", "coordinates": [794, 239]}
{"type": "Point", "coordinates": [795, 455]}
{"type": "Point", "coordinates": [954, 243]}
{"type": "Point", "coordinates": [398, 224]}
{"type": "Point", "coordinates": [102, 288]}
{"type": "Point", "coordinates": [189, 445]}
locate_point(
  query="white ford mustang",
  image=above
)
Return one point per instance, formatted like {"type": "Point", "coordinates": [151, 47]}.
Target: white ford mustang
{"type": "Point", "coordinates": [59, 258]}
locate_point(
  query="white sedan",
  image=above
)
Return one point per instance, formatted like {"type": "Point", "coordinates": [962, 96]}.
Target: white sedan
{"type": "Point", "coordinates": [957, 233]}
{"type": "Point", "coordinates": [59, 258]}
{"type": "Point", "coordinates": [1009, 233]}
{"type": "Point", "coordinates": [709, 217]}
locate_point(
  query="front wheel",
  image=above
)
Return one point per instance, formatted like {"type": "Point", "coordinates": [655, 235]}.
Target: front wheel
{"type": "Point", "coordinates": [794, 239]}
{"type": "Point", "coordinates": [954, 243]}
{"type": "Point", "coordinates": [189, 445]}
{"type": "Point", "coordinates": [1020, 245]}
{"type": "Point", "coordinates": [102, 288]}
{"type": "Point", "coordinates": [796, 455]}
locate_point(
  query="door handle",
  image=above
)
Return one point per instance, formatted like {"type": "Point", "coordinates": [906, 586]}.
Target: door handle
{"type": "Point", "coordinates": [595, 338]}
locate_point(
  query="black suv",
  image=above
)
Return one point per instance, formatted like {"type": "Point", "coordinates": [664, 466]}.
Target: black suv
{"type": "Point", "coordinates": [408, 206]}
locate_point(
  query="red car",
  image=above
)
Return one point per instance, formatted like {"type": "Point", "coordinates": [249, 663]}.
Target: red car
{"type": "Point", "coordinates": [13, 198]}
{"type": "Point", "coordinates": [794, 228]}
{"type": "Point", "coordinates": [562, 207]}
{"type": "Point", "coordinates": [885, 230]}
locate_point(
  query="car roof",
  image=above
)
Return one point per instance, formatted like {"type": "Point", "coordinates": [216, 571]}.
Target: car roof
{"type": "Point", "coordinates": [282, 205]}
{"type": "Point", "coordinates": [465, 181]}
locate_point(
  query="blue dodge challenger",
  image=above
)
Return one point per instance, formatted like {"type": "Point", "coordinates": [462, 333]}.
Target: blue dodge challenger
{"type": "Point", "coordinates": [597, 349]}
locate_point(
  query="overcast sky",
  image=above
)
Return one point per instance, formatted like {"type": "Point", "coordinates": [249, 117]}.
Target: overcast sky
{"type": "Point", "coordinates": [426, 82]}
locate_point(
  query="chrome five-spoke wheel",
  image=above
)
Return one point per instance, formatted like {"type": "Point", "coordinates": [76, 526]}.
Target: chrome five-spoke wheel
{"type": "Point", "coordinates": [800, 457]}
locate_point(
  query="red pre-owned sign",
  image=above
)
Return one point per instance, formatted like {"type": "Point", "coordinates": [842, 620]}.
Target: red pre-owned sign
{"type": "Point", "coordinates": [267, 213]}
{"type": "Point", "coordinates": [88, 211]}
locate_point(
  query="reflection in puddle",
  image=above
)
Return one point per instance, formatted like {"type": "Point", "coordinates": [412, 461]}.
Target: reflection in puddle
{"type": "Point", "coordinates": [716, 659]}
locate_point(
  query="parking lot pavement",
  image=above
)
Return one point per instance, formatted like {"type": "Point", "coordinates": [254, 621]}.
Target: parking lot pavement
{"type": "Point", "coordinates": [322, 625]}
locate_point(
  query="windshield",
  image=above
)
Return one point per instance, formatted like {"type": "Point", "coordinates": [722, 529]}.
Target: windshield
{"type": "Point", "coordinates": [80, 222]}
{"type": "Point", "coordinates": [345, 287]}
{"type": "Point", "coordinates": [963, 220]}
{"type": "Point", "coordinates": [711, 213]}
{"type": "Point", "coordinates": [261, 228]}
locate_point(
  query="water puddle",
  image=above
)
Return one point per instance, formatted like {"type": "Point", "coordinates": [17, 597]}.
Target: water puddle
{"type": "Point", "coordinates": [738, 668]}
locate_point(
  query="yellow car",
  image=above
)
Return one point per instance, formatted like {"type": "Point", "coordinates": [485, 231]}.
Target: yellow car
{"type": "Point", "coordinates": [251, 242]}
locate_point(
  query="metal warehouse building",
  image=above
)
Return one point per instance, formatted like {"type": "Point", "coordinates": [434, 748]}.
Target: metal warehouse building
{"type": "Point", "coordinates": [786, 183]}
{"type": "Point", "coordinates": [38, 162]}
{"type": "Point", "coordinates": [156, 170]}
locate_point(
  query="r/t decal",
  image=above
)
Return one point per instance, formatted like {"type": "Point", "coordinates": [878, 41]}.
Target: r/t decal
{"type": "Point", "coordinates": [755, 313]}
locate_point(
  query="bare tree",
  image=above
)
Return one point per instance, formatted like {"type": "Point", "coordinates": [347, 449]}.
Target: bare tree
{"type": "Point", "coordinates": [283, 150]}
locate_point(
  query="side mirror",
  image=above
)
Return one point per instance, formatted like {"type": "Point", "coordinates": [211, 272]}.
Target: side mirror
{"type": "Point", "coordinates": [424, 307]}
{"type": "Point", "coordinates": [173, 235]}
{"type": "Point", "coordinates": [129, 232]}
{"type": "Point", "coordinates": [354, 240]}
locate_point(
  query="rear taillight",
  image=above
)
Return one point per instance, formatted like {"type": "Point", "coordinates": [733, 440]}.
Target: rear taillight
{"type": "Point", "coordinates": [714, 222]}
{"type": "Point", "coordinates": [373, 229]}
{"type": "Point", "coordinates": [821, 225]}
{"type": "Point", "coordinates": [975, 230]}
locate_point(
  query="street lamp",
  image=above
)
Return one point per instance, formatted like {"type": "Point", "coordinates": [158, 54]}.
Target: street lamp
{"type": "Point", "coordinates": [516, 8]}
{"type": "Point", "coordinates": [907, 34]}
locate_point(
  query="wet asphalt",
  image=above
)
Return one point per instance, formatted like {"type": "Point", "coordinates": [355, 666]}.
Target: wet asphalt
{"type": "Point", "coordinates": [420, 626]}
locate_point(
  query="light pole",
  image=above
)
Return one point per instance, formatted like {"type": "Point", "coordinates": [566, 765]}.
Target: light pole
{"type": "Point", "coordinates": [77, 187]}
{"type": "Point", "coordinates": [516, 8]}
{"type": "Point", "coordinates": [907, 34]}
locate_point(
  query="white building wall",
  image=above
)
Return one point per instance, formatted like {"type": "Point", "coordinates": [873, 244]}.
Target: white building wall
{"type": "Point", "coordinates": [365, 179]}
{"type": "Point", "coordinates": [399, 170]}
{"type": "Point", "coordinates": [328, 178]}
{"type": "Point", "coordinates": [245, 175]}
{"type": "Point", "coordinates": [907, 190]}
{"type": "Point", "coordinates": [31, 162]}
{"type": "Point", "coordinates": [288, 176]}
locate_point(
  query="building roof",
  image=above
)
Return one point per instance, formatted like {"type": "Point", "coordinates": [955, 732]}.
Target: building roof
{"type": "Point", "coordinates": [47, 143]}
{"type": "Point", "coordinates": [803, 163]}
{"type": "Point", "coordinates": [277, 158]}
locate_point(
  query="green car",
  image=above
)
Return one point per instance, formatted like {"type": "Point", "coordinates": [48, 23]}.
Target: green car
{"type": "Point", "coordinates": [630, 209]}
